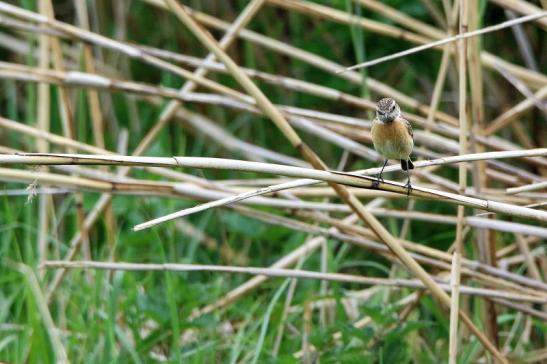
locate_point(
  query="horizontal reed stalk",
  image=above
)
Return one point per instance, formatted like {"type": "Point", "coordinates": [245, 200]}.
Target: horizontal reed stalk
{"type": "Point", "coordinates": [285, 273]}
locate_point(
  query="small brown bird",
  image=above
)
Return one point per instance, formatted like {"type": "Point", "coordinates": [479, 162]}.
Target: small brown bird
{"type": "Point", "coordinates": [392, 136]}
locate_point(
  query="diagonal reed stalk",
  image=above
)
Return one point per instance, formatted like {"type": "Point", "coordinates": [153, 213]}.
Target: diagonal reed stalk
{"type": "Point", "coordinates": [263, 102]}
{"type": "Point", "coordinates": [455, 38]}
{"type": "Point", "coordinates": [347, 133]}
{"type": "Point", "coordinates": [290, 171]}
{"type": "Point", "coordinates": [45, 315]}
{"type": "Point", "coordinates": [68, 123]}
{"type": "Point", "coordinates": [196, 78]}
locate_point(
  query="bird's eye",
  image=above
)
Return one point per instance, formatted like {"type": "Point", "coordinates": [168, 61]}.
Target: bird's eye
{"type": "Point", "coordinates": [392, 108]}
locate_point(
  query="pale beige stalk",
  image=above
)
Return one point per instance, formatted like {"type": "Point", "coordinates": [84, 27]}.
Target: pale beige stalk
{"type": "Point", "coordinates": [309, 155]}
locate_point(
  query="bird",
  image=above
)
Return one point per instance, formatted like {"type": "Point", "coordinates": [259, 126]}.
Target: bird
{"type": "Point", "coordinates": [392, 137]}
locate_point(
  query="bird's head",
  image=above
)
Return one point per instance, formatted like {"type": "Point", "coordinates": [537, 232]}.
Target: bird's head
{"type": "Point", "coordinates": [387, 110]}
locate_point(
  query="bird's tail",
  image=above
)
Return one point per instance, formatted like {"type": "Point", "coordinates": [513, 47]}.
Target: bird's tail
{"type": "Point", "coordinates": [406, 164]}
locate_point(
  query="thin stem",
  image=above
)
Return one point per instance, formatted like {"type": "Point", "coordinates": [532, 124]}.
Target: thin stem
{"type": "Point", "coordinates": [455, 38]}
{"type": "Point", "coordinates": [281, 273]}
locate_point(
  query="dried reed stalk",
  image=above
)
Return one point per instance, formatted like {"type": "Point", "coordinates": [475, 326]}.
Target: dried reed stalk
{"type": "Point", "coordinates": [314, 160]}
{"type": "Point", "coordinates": [284, 273]}
{"type": "Point", "coordinates": [327, 127]}
{"type": "Point", "coordinates": [167, 113]}
{"type": "Point", "coordinates": [462, 178]}
{"type": "Point", "coordinates": [455, 38]}
{"type": "Point", "coordinates": [42, 146]}
{"type": "Point", "coordinates": [327, 176]}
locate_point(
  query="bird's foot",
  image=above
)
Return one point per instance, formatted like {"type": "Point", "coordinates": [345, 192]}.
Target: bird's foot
{"type": "Point", "coordinates": [376, 182]}
{"type": "Point", "coordinates": [408, 187]}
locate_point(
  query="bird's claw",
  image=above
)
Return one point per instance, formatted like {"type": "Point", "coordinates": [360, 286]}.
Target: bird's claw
{"type": "Point", "coordinates": [408, 187]}
{"type": "Point", "coordinates": [377, 181]}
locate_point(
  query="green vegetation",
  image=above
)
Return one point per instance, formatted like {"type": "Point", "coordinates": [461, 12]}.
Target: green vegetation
{"type": "Point", "coordinates": [103, 316]}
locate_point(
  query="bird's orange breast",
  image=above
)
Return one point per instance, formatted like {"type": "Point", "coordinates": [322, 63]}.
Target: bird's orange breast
{"type": "Point", "coordinates": [392, 140]}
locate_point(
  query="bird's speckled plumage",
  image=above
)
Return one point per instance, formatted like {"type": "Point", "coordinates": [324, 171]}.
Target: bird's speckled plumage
{"type": "Point", "coordinates": [392, 135]}
{"type": "Point", "coordinates": [387, 110]}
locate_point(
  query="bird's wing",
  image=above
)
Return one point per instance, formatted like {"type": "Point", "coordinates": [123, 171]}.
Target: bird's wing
{"type": "Point", "coordinates": [408, 127]}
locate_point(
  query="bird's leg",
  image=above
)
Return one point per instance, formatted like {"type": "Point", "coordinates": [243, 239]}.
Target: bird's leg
{"type": "Point", "coordinates": [408, 185]}
{"type": "Point", "coordinates": [379, 178]}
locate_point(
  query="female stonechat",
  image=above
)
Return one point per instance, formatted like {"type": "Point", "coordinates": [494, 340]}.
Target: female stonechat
{"type": "Point", "coordinates": [392, 136]}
